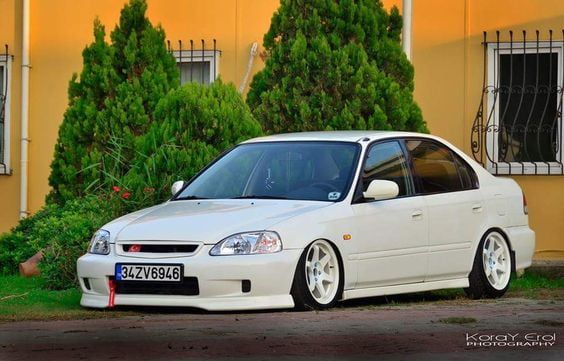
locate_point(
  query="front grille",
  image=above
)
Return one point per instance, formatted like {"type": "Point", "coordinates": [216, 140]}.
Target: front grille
{"type": "Point", "coordinates": [161, 248]}
{"type": "Point", "coordinates": [188, 287]}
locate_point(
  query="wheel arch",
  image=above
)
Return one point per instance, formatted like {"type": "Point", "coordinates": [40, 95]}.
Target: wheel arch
{"type": "Point", "coordinates": [339, 259]}
{"type": "Point", "coordinates": [505, 236]}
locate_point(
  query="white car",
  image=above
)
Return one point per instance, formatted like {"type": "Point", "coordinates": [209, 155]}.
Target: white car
{"type": "Point", "coordinates": [307, 219]}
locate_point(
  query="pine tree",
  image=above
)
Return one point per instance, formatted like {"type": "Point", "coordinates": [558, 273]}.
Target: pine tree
{"type": "Point", "coordinates": [114, 98]}
{"type": "Point", "coordinates": [334, 64]}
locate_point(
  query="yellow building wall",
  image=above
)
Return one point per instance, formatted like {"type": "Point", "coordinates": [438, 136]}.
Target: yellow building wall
{"type": "Point", "coordinates": [447, 55]}
{"type": "Point", "coordinates": [10, 13]}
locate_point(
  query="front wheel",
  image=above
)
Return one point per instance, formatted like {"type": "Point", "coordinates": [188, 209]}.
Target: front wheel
{"type": "Point", "coordinates": [491, 272]}
{"type": "Point", "coordinates": [318, 281]}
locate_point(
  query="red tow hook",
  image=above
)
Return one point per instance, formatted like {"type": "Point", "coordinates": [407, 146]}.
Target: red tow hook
{"type": "Point", "coordinates": [111, 302]}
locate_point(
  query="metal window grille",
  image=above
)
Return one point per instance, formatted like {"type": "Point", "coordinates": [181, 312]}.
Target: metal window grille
{"type": "Point", "coordinates": [518, 127]}
{"type": "Point", "coordinates": [4, 58]}
{"type": "Point", "coordinates": [196, 64]}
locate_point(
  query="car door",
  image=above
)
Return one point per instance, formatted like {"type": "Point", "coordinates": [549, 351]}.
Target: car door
{"type": "Point", "coordinates": [391, 234]}
{"type": "Point", "coordinates": [454, 207]}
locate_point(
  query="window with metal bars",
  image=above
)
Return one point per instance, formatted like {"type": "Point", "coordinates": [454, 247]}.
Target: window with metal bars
{"type": "Point", "coordinates": [199, 65]}
{"type": "Point", "coordinates": [5, 63]}
{"type": "Point", "coordinates": [518, 126]}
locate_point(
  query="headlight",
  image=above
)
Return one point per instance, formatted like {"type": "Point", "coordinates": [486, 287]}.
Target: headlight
{"type": "Point", "coordinates": [248, 243]}
{"type": "Point", "coordinates": [100, 243]}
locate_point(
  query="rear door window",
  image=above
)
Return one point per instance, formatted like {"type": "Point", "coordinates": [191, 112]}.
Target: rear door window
{"type": "Point", "coordinates": [435, 169]}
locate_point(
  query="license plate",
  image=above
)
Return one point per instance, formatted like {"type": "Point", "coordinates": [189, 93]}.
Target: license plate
{"type": "Point", "coordinates": [149, 272]}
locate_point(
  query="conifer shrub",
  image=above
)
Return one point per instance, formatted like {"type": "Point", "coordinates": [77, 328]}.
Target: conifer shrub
{"type": "Point", "coordinates": [334, 64]}
{"type": "Point", "coordinates": [113, 98]}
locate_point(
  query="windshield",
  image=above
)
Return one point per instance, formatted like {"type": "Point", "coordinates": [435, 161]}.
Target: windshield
{"type": "Point", "coordinates": [320, 171]}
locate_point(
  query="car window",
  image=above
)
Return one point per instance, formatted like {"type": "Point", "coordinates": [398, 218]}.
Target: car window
{"type": "Point", "coordinates": [386, 161]}
{"type": "Point", "coordinates": [232, 178]}
{"type": "Point", "coordinates": [434, 167]}
{"type": "Point", "coordinates": [467, 175]}
{"type": "Point", "coordinates": [287, 170]}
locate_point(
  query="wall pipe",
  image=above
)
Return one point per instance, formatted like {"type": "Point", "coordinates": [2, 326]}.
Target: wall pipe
{"type": "Point", "coordinates": [24, 110]}
{"type": "Point", "coordinates": [406, 30]}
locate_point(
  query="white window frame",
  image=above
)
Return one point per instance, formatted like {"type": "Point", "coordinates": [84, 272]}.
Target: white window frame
{"type": "Point", "coordinates": [492, 142]}
{"type": "Point", "coordinates": [6, 67]}
{"type": "Point", "coordinates": [197, 56]}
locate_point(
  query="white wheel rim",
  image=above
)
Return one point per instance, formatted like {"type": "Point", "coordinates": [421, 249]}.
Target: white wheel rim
{"type": "Point", "coordinates": [497, 261]}
{"type": "Point", "coordinates": [322, 272]}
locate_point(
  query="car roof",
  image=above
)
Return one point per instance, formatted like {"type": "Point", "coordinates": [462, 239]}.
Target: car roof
{"type": "Point", "coordinates": [337, 135]}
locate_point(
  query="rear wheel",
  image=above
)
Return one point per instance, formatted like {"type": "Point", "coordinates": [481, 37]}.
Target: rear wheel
{"type": "Point", "coordinates": [492, 267]}
{"type": "Point", "coordinates": [318, 281]}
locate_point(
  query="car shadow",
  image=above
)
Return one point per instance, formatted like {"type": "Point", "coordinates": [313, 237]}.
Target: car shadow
{"type": "Point", "coordinates": [362, 303]}
{"type": "Point", "coordinates": [404, 299]}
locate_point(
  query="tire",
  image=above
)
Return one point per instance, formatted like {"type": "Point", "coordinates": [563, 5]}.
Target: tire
{"type": "Point", "coordinates": [318, 280]}
{"type": "Point", "coordinates": [492, 267]}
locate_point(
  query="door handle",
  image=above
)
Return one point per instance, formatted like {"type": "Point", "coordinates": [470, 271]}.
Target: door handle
{"type": "Point", "coordinates": [417, 214]}
{"type": "Point", "coordinates": [477, 208]}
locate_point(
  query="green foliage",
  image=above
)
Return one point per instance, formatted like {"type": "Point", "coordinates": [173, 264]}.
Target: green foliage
{"type": "Point", "coordinates": [114, 97]}
{"type": "Point", "coordinates": [62, 233]}
{"type": "Point", "coordinates": [196, 124]}
{"type": "Point", "coordinates": [14, 245]}
{"type": "Point", "coordinates": [334, 65]}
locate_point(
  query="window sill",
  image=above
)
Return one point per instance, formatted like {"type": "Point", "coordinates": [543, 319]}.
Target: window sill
{"type": "Point", "coordinates": [5, 170]}
{"type": "Point", "coordinates": [526, 168]}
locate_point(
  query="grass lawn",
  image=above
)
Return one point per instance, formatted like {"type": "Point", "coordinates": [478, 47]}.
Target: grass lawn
{"type": "Point", "coordinates": [25, 298]}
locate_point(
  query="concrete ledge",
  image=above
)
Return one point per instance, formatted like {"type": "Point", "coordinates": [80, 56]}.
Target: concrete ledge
{"type": "Point", "coordinates": [547, 268]}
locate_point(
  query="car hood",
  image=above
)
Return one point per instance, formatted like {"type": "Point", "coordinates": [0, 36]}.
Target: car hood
{"type": "Point", "coordinates": [207, 221]}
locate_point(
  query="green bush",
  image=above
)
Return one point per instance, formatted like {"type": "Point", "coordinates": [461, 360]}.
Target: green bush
{"type": "Point", "coordinates": [62, 233]}
{"type": "Point", "coordinates": [196, 123]}
{"type": "Point", "coordinates": [334, 64]}
{"type": "Point", "coordinates": [14, 245]}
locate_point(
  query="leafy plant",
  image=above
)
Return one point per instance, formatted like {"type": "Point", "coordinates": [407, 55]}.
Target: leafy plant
{"type": "Point", "coordinates": [334, 64]}
{"type": "Point", "coordinates": [61, 233]}
{"type": "Point", "coordinates": [64, 236]}
{"type": "Point", "coordinates": [14, 245]}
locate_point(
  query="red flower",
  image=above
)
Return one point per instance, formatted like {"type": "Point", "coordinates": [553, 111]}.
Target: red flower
{"type": "Point", "coordinates": [126, 195]}
{"type": "Point", "coordinates": [116, 189]}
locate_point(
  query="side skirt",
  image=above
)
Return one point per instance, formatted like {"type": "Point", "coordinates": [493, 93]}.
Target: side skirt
{"type": "Point", "coordinates": [407, 288]}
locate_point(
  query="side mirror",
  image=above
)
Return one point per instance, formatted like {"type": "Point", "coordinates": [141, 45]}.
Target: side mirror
{"type": "Point", "coordinates": [381, 189]}
{"type": "Point", "coordinates": [176, 187]}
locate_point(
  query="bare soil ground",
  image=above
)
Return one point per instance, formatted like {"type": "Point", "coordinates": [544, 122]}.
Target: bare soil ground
{"type": "Point", "coordinates": [361, 330]}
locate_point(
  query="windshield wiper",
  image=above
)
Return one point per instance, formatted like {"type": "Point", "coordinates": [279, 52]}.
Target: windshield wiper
{"type": "Point", "coordinates": [188, 198]}
{"type": "Point", "coordinates": [259, 197]}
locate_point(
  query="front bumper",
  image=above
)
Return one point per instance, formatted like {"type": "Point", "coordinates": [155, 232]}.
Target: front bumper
{"type": "Point", "coordinates": [219, 280]}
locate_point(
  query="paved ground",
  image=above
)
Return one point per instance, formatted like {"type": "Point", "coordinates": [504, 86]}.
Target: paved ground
{"type": "Point", "coordinates": [358, 331]}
